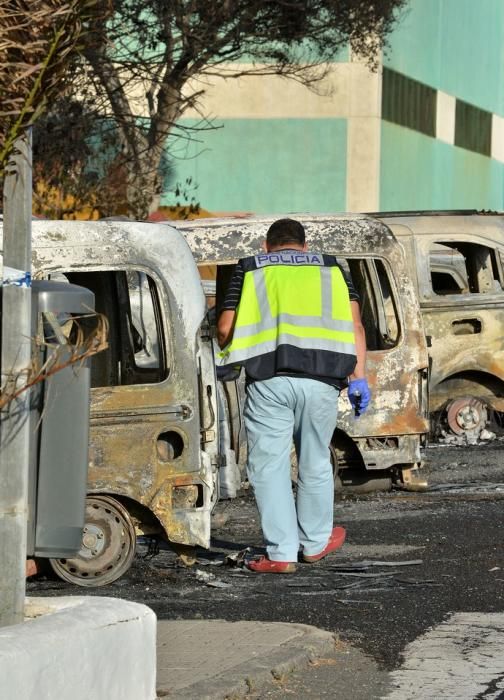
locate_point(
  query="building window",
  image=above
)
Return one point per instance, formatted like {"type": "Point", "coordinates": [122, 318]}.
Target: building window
{"type": "Point", "coordinates": [473, 128]}
{"type": "Point", "coordinates": [408, 102]}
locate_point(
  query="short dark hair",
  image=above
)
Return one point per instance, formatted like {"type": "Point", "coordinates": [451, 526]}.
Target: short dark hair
{"type": "Point", "coordinates": [284, 231]}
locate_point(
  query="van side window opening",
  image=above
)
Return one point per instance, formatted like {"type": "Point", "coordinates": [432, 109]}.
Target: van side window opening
{"type": "Point", "coordinates": [136, 352]}
{"type": "Point", "coordinates": [391, 336]}
{"type": "Point", "coordinates": [379, 308]}
{"type": "Point", "coordinates": [464, 268]}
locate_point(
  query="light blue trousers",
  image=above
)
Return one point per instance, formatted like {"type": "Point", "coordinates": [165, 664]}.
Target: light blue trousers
{"type": "Point", "coordinates": [276, 411]}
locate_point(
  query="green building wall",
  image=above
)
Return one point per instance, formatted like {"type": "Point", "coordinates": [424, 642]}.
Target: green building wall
{"type": "Point", "coordinates": [419, 172]}
{"type": "Point", "coordinates": [456, 46]}
{"type": "Point", "coordinates": [268, 165]}
{"type": "Point", "coordinates": [453, 45]}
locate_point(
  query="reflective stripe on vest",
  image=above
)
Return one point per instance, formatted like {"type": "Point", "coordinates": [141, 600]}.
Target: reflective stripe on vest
{"type": "Point", "coordinates": [272, 311]}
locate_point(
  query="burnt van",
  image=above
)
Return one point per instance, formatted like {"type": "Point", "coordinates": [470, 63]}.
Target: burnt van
{"type": "Point", "coordinates": [166, 436]}
{"type": "Point", "coordinates": [154, 418]}
{"type": "Point", "coordinates": [381, 447]}
{"type": "Point", "coordinates": [456, 262]}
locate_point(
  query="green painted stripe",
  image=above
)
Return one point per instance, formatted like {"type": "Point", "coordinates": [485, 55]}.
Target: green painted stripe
{"type": "Point", "coordinates": [453, 45]}
{"type": "Point", "coordinates": [418, 172]}
{"type": "Point", "coordinates": [263, 165]}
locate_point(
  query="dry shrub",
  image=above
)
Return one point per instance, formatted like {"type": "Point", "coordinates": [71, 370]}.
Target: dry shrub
{"type": "Point", "coordinates": [39, 40]}
{"type": "Point", "coordinates": [85, 336]}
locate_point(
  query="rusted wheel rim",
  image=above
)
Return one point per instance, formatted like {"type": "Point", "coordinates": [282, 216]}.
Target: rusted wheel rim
{"type": "Point", "coordinates": [108, 545]}
{"type": "Point", "coordinates": [466, 415]}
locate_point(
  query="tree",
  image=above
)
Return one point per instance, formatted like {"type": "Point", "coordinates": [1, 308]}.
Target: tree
{"type": "Point", "coordinates": [148, 64]}
{"type": "Point", "coordinates": [39, 39]}
{"type": "Point", "coordinates": [39, 42]}
{"type": "Point", "coordinates": [77, 166]}
{"type": "Point", "coordinates": [69, 175]}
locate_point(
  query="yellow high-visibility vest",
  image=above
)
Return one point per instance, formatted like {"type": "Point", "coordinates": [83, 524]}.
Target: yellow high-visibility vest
{"type": "Point", "coordinates": [295, 305]}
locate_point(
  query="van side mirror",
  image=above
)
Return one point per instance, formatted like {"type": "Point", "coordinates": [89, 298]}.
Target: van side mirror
{"type": "Point", "coordinates": [428, 340]}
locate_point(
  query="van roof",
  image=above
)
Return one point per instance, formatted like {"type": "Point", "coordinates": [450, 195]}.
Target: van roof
{"type": "Point", "coordinates": [227, 240]}
{"type": "Point", "coordinates": [434, 212]}
{"type": "Point", "coordinates": [446, 223]}
{"type": "Point", "coordinates": [103, 245]}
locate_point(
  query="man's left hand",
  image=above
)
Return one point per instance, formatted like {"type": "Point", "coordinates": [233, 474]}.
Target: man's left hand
{"type": "Point", "coordinates": [359, 395]}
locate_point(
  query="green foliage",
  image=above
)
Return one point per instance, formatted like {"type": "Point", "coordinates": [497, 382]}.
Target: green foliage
{"type": "Point", "coordinates": [188, 37]}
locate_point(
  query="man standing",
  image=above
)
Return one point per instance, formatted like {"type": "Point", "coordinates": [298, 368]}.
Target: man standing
{"type": "Point", "coordinates": [291, 317]}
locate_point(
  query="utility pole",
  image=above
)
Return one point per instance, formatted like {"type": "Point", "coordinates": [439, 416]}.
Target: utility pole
{"type": "Point", "coordinates": [15, 362]}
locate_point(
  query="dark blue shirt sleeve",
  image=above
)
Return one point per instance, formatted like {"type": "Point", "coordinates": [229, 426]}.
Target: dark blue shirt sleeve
{"type": "Point", "coordinates": [235, 288]}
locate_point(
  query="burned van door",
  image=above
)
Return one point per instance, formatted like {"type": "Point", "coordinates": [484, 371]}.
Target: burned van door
{"type": "Point", "coordinates": [234, 387]}
{"type": "Point", "coordinates": [463, 310]}
{"type": "Point", "coordinates": [230, 390]}
{"type": "Point", "coordinates": [397, 373]}
{"type": "Point", "coordinates": [144, 446]}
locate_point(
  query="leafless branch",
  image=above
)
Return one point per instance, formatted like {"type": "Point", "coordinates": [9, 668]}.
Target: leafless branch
{"type": "Point", "coordinates": [38, 40]}
{"type": "Point", "coordinates": [84, 345]}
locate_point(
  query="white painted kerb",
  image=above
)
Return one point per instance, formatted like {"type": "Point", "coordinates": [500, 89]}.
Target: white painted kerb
{"type": "Point", "coordinates": [80, 648]}
{"type": "Point", "coordinates": [460, 659]}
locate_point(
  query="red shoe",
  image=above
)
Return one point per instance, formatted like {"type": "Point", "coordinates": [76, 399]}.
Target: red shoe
{"type": "Point", "coordinates": [263, 565]}
{"type": "Point", "coordinates": [336, 540]}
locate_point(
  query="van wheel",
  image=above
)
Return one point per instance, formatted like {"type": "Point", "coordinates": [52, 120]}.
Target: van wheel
{"type": "Point", "coordinates": [466, 416]}
{"type": "Point", "coordinates": [108, 545]}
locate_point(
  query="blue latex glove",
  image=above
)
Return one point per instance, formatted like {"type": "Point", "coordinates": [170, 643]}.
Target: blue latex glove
{"type": "Point", "coordinates": [359, 395]}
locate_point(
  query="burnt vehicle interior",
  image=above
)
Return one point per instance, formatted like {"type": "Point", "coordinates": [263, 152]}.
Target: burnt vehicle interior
{"type": "Point", "coordinates": [136, 353]}
{"type": "Point", "coordinates": [379, 309]}
{"type": "Point", "coordinates": [470, 277]}
{"type": "Point", "coordinates": [464, 268]}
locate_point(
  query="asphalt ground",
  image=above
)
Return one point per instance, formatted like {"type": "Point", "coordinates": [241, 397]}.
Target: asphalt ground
{"type": "Point", "coordinates": [440, 552]}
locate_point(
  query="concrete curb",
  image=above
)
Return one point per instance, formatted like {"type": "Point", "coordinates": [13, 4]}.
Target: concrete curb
{"type": "Point", "coordinates": [80, 647]}
{"type": "Point", "coordinates": [262, 665]}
